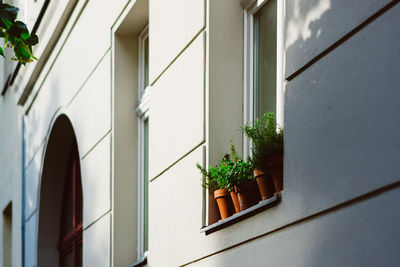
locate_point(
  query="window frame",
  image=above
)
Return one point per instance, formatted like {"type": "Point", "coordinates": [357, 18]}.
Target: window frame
{"type": "Point", "coordinates": [249, 54]}
{"type": "Point", "coordinates": [142, 112]}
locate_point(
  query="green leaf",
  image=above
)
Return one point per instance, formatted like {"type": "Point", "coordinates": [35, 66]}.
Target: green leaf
{"type": "Point", "coordinates": [2, 52]}
{"type": "Point", "coordinates": [32, 40]}
{"type": "Point", "coordinates": [21, 53]}
{"type": "Point", "coordinates": [19, 29]}
{"type": "Point", "coordinates": [6, 39]}
{"type": "Point", "coordinates": [8, 12]}
{"type": "Point", "coordinates": [5, 23]}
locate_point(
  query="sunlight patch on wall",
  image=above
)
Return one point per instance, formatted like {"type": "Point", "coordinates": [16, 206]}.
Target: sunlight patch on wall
{"type": "Point", "coordinates": [299, 25]}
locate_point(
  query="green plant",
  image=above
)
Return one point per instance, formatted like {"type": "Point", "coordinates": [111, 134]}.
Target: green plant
{"type": "Point", "coordinates": [267, 139]}
{"type": "Point", "coordinates": [16, 35]}
{"type": "Point", "coordinates": [241, 170]}
{"type": "Point", "coordinates": [230, 171]}
{"type": "Point", "coordinates": [216, 177]}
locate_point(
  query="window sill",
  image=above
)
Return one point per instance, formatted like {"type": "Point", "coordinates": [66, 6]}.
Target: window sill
{"type": "Point", "coordinates": [141, 262]}
{"type": "Point", "coordinates": [263, 205]}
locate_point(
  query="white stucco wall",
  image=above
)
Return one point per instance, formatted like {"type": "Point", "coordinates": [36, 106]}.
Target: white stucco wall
{"type": "Point", "coordinates": [78, 84]}
{"type": "Point", "coordinates": [10, 171]}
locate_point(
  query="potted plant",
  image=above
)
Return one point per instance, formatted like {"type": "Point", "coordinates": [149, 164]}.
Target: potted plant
{"type": "Point", "coordinates": [241, 177]}
{"type": "Point", "coordinates": [267, 154]}
{"type": "Point", "coordinates": [215, 179]}
{"type": "Point", "coordinates": [230, 180]}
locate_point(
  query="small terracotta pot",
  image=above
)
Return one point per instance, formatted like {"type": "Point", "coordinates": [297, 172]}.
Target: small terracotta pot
{"type": "Point", "coordinates": [224, 202]}
{"type": "Point", "coordinates": [276, 166]}
{"type": "Point", "coordinates": [247, 194]}
{"type": "Point", "coordinates": [235, 201]}
{"type": "Point", "coordinates": [265, 183]}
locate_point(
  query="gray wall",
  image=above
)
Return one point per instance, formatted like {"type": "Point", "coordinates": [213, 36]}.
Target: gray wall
{"type": "Point", "coordinates": [340, 205]}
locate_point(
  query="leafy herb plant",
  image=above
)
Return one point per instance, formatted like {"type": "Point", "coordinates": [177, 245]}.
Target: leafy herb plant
{"type": "Point", "coordinates": [230, 171]}
{"type": "Point", "coordinates": [16, 35]}
{"type": "Point", "coordinates": [267, 139]}
{"type": "Point", "coordinates": [217, 177]}
{"type": "Point", "coordinates": [241, 170]}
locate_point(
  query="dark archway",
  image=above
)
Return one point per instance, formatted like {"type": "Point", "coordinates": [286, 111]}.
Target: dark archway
{"type": "Point", "coordinates": [60, 206]}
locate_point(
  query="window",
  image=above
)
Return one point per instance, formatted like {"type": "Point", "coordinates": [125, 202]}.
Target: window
{"type": "Point", "coordinates": [70, 242]}
{"type": "Point", "coordinates": [263, 90]}
{"type": "Point", "coordinates": [142, 112]}
{"type": "Point", "coordinates": [262, 85]}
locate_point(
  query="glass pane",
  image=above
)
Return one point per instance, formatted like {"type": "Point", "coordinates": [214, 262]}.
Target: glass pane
{"type": "Point", "coordinates": [146, 184]}
{"type": "Point", "coordinates": [146, 62]}
{"type": "Point", "coordinates": [265, 25]}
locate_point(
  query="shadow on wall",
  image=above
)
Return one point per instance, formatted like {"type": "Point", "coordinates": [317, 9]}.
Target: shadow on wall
{"type": "Point", "coordinates": [38, 120]}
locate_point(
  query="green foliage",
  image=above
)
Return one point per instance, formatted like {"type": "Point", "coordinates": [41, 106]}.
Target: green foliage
{"type": "Point", "coordinates": [267, 139]}
{"type": "Point", "coordinates": [230, 171]}
{"type": "Point", "coordinates": [16, 35]}
{"type": "Point", "coordinates": [241, 170]}
{"type": "Point", "coordinates": [216, 177]}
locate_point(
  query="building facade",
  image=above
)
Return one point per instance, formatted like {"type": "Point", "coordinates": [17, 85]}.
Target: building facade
{"type": "Point", "coordinates": [101, 135]}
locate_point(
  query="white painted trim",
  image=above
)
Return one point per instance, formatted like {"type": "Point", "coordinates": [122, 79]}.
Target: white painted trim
{"type": "Point", "coordinates": [280, 61]}
{"type": "Point", "coordinates": [141, 66]}
{"type": "Point", "coordinates": [112, 156]}
{"type": "Point", "coordinates": [256, 5]}
{"type": "Point", "coordinates": [140, 201]}
{"type": "Point", "coordinates": [142, 108]}
{"type": "Point", "coordinates": [142, 111]}
{"type": "Point", "coordinates": [248, 103]}
{"type": "Point", "coordinates": [206, 150]}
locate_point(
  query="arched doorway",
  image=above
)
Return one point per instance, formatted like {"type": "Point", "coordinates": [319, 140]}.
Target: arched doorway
{"type": "Point", "coordinates": [61, 201]}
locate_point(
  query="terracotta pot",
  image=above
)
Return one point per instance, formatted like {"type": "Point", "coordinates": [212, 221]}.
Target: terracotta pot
{"type": "Point", "coordinates": [276, 166]}
{"type": "Point", "coordinates": [247, 194]}
{"type": "Point", "coordinates": [235, 201]}
{"type": "Point", "coordinates": [265, 183]}
{"type": "Point", "coordinates": [224, 202]}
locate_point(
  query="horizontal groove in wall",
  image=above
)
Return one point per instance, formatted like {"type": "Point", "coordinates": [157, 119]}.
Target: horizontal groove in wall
{"type": "Point", "coordinates": [98, 219]}
{"type": "Point", "coordinates": [34, 153]}
{"type": "Point", "coordinates": [89, 76]}
{"type": "Point", "coordinates": [95, 145]}
{"type": "Point", "coordinates": [31, 215]}
{"type": "Point", "coordinates": [174, 163]}
{"type": "Point", "coordinates": [180, 53]}
{"type": "Point", "coordinates": [310, 217]}
{"type": "Point", "coordinates": [343, 39]}
{"type": "Point", "coordinates": [69, 103]}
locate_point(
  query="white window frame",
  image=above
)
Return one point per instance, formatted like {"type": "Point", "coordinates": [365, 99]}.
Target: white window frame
{"type": "Point", "coordinates": [142, 111]}
{"type": "Point", "coordinates": [249, 54]}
